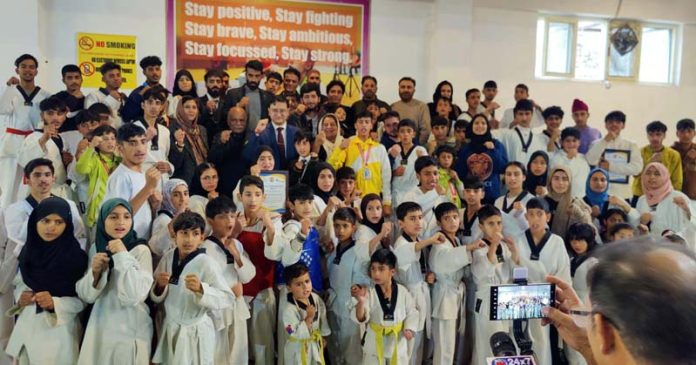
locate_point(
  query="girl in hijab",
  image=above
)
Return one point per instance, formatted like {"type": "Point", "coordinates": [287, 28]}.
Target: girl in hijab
{"type": "Point", "coordinates": [483, 157]}
{"type": "Point", "coordinates": [175, 200]}
{"type": "Point", "coordinates": [598, 199]}
{"type": "Point", "coordinates": [537, 173]}
{"type": "Point", "coordinates": [325, 200]}
{"type": "Point", "coordinates": [189, 139]}
{"type": "Point", "coordinates": [373, 232]}
{"type": "Point", "coordinates": [444, 89]}
{"type": "Point", "coordinates": [48, 329]}
{"type": "Point", "coordinates": [329, 136]}
{"type": "Point", "coordinates": [662, 207]}
{"type": "Point", "coordinates": [183, 86]}
{"type": "Point", "coordinates": [117, 284]}
{"type": "Point", "coordinates": [565, 209]}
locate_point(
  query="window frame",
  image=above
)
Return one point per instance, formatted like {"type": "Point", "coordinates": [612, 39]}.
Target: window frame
{"type": "Point", "coordinates": [573, 23]}
{"type": "Point", "coordinates": [675, 49]}
{"type": "Point", "coordinates": [675, 54]}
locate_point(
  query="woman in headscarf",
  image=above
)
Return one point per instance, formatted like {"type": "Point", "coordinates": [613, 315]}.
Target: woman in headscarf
{"type": "Point", "coordinates": [483, 157]}
{"type": "Point", "coordinates": [329, 136]}
{"type": "Point", "coordinates": [373, 232]}
{"type": "Point", "coordinates": [117, 284]}
{"type": "Point", "coordinates": [598, 199]}
{"type": "Point", "coordinates": [537, 173]}
{"type": "Point", "coordinates": [662, 207]}
{"type": "Point", "coordinates": [48, 329]}
{"type": "Point", "coordinates": [565, 209]}
{"type": "Point", "coordinates": [325, 201]}
{"type": "Point", "coordinates": [189, 140]}
{"type": "Point", "coordinates": [444, 89]}
{"type": "Point", "coordinates": [175, 200]}
{"type": "Point", "coordinates": [184, 85]}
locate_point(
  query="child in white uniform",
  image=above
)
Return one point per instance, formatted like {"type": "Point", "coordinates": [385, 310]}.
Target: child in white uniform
{"type": "Point", "coordinates": [542, 253]}
{"type": "Point", "coordinates": [388, 310]}
{"type": "Point", "coordinates": [448, 261]}
{"type": "Point", "coordinates": [190, 284]}
{"type": "Point", "coordinates": [347, 266]}
{"type": "Point", "coordinates": [231, 339]}
{"type": "Point", "coordinates": [412, 255]}
{"type": "Point", "coordinates": [491, 265]}
{"type": "Point", "coordinates": [304, 318]}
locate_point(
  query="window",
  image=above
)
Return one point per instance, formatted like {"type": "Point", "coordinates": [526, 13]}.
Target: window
{"type": "Point", "coordinates": [598, 49]}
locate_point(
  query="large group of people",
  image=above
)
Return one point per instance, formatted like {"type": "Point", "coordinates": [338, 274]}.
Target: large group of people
{"type": "Point", "coordinates": [137, 228]}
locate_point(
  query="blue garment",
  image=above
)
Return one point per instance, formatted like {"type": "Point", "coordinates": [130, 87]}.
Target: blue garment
{"type": "Point", "coordinates": [133, 110]}
{"type": "Point", "coordinates": [592, 197]}
{"type": "Point", "coordinates": [487, 165]}
{"type": "Point", "coordinates": [311, 257]}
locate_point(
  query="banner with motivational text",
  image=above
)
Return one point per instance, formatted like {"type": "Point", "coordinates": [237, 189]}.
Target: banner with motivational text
{"type": "Point", "coordinates": [93, 50]}
{"type": "Point", "coordinates": [330, 36]}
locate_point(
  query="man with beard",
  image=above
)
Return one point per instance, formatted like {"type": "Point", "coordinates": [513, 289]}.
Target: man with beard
{"type": "Point", "coordinates": [20, 107]}
{"type": "Point", "coordinates": [334, 96]}
{"type": "Point", "coordinates": [369, 92]}
{"type": "Point", "coordinates": [152, 69]}
{"type": "Point", "coordinates": [226, 151]}
{"type": "Point", "coordinates": [410, 108]}
{"type": "Point", "coordinates": [390, 131]}
{"type": "Point", "coordinates": [309, 111]}
{"type": "Point", "coordinates": [209, 108]}
{"type": "Point", "coordinates": [72, 96]}
{"type": "Point", "coordinates": [249, 97]}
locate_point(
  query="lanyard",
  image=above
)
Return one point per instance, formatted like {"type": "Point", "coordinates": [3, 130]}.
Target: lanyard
{"type": "Point", "coordinates": [365, 155]}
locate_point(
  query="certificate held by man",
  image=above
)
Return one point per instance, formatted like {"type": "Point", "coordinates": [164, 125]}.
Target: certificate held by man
{"type": "Point", "coordinates": [275, 184]}
{"type": "Point", "coordinates": [617, 157]}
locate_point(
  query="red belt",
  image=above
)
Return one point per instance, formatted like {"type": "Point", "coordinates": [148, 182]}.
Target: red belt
{"type": "Point", "coordinates": [18, 132]}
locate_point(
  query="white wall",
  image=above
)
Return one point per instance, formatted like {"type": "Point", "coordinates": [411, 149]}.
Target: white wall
{"type": "Point", "coordinates": [464, 41]}
{"type": "Point", "coordinates": [20, 34]}
{"type": "Point", "coordinates": [504, 44]}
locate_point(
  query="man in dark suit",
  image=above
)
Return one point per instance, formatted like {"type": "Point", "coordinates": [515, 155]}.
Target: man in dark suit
{"type": "Point", "coordinates": [249, 97]}
{"type": "Point", "coordinates": [210, 112]}
{"type": "Point", "coordinates": [278, 135]}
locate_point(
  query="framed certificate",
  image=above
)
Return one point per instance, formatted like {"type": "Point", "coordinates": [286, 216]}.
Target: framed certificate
{"type": "Point", "coordinates": [617, 157]}
{"type": "Point", "coordinates": [275, 185]}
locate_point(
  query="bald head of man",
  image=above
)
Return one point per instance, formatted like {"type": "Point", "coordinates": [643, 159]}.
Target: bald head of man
{"type": "Point", "coordinates": [237, 120]}
{"type": "Point", "coordinates": [643, 303]}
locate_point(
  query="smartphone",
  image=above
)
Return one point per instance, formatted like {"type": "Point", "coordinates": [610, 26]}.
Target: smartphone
{"type": "Point", "coordinates": [509, 302]}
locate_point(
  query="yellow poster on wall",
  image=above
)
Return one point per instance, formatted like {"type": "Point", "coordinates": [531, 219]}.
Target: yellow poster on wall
{"type": "Point", "coordinates": [93, 50]}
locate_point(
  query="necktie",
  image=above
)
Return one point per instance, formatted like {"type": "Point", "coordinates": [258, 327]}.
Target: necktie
{"type": "Point", "coordinates": [281, 145]}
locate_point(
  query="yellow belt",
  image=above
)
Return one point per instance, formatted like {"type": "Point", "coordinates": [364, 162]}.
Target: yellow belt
{"type": "Point", "coordinates": [315, 337]}
{"type": "Point", "coordinates": [380, 332]}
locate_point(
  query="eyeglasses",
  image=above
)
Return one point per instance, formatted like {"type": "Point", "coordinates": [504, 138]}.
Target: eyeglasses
{"type": "Point", "coordinates": [582, 315]}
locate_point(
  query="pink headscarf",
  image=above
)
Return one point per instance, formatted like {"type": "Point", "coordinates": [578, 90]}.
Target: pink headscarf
{"type": "Point", "coordinates": [655, 196]}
